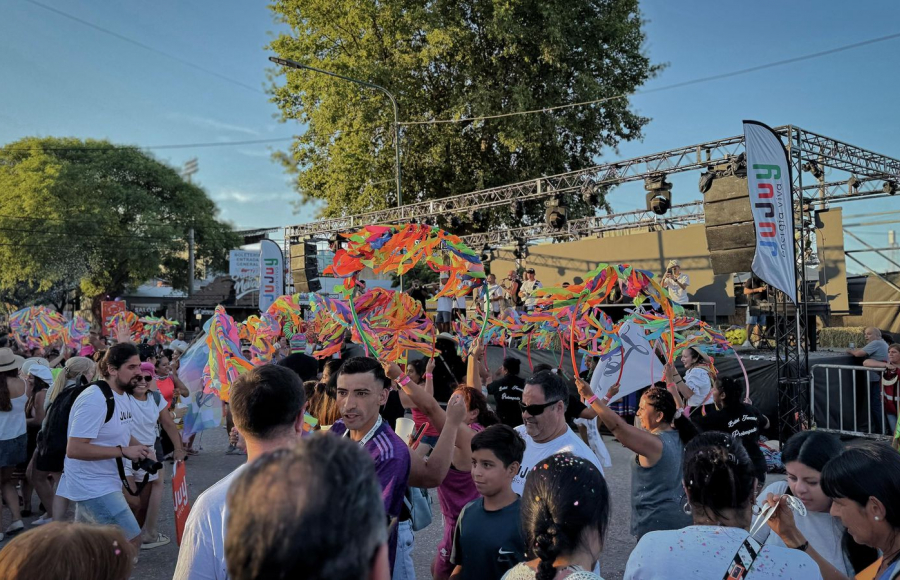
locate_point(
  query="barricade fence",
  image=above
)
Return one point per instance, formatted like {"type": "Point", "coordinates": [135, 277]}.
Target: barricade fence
{"type": "Point", "coordinates": [850, 400]}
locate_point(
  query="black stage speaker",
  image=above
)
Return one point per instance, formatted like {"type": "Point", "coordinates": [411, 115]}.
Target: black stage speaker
{"type": "Point", "coordinates": [730, 234]}
{"type": "Point", "coordinates": [305, 267]}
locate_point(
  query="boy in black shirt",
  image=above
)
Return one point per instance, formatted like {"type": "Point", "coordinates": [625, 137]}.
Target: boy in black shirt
{"type": "Point", "coordinates": [488, 539]}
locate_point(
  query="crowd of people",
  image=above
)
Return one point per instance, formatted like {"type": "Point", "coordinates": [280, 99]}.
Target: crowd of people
{"type": "Point", "coordinates": [519, 481]}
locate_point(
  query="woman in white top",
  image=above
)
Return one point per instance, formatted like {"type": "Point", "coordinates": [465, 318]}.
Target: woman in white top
{"type": "Point", "coordinates": [150, 410]}
{"type": "Point", "coordinates": [13, 437]}
{"type": "Point", "coordinates": [565, 514]}
{"type": "Point", "coordinates": [720, 483]}
{"type": "Point", "coordinates": [838, 555]}
{"type": "Point", "coordinates": [696, 386]}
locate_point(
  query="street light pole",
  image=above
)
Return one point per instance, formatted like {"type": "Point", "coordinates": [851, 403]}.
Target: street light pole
{"type": "Point", "coordinates": [297, 65]}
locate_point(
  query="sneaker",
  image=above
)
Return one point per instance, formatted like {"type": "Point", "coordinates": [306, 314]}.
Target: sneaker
{"type": "Point", "coordinates": [232, 450]}
{"type": "Point", "coordinates": [161, 540]}
{"type": "Point", "coordinates": [14, 528]}
{"type": "Point", "coordinates": [44, 519]}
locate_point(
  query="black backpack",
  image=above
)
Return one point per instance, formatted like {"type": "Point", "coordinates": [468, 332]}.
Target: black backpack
{"type": "Point", "coordinates": [54, 434]}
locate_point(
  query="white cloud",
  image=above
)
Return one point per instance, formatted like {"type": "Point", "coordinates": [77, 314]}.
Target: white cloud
{"type": "Point", "coordinates": [209, 123]}
{"type": "Point", "coordinates": [229, 196]}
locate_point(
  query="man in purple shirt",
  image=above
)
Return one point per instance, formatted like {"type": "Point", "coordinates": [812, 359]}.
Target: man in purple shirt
{"type": "Point", "coordinates": [362, 388]}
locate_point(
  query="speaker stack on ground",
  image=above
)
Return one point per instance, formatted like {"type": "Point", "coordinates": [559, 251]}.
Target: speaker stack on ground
{"type": "Point", "coordinates": [305, 267]}
{"type": "Point", "coordinates": [730, 234]}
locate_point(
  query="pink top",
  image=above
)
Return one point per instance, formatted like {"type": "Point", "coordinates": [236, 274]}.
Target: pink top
{"type": "Point", "coordinates": [420, 418]}
{"type": "Point", "coordinates": [457, 490]}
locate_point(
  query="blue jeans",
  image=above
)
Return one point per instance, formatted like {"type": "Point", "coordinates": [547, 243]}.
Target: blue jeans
{"type": "Point", "coordinates": [109, 509]}
{"type": "Point", "coordinates": [403, 564]}
{"type": "Point", "coordinates": [875, 396]}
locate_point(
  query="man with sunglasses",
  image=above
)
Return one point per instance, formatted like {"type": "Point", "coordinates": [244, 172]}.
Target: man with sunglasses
{"type": "Point", "coordinates": [545, 430]}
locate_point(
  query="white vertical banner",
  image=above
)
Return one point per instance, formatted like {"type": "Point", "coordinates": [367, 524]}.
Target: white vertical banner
{"type": "Point", "coordinates": [271, 274]}
{"type": "Point", "coordinates": [769, 181]}
{"type": "Point", "coordinates": [642, 366]}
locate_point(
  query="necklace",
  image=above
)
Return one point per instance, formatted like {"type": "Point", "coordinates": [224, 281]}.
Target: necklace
{"type": "Point", "coordinates": [370, 434]}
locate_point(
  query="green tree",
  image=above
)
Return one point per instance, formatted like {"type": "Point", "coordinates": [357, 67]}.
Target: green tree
{"type": "Point", "coordinates": [103, 218]}
{"type": "Point", "coordinates": [454, 60]}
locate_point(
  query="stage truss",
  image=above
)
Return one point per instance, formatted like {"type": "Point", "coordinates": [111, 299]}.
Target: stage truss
{"type": "Point", "coordinates": [870, 170]}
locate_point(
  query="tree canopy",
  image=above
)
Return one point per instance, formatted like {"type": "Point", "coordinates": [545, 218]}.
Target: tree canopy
{"type": "Point", "coordinates": [103, 218]}
{"type": "Point", "coordinates": [452, 60]}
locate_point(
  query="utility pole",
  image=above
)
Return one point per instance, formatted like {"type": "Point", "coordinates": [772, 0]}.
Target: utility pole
{"type": "Point", "coordinates": [190, 167]}
{"type": "Point", "coordinates": [296, 65]}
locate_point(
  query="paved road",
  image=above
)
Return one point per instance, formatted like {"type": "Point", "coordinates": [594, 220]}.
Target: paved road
{"type": "Point", "coordinates": [212, 464]}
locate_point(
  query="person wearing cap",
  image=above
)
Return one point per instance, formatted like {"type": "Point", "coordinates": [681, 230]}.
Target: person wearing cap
{"type": "Point", "coordinates": [676, 282]}
{"type": "Point", "coordinates": [13, 433]}
{"type": "Point", "coordinates": [37, 385]}
{"type": "Point", "coordinates": [529, 287]}
{"type": "Point", "coordinates": [695, 389]}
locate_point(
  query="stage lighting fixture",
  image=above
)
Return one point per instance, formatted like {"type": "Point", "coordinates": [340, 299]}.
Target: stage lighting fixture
{"type": "Point", "coordinates": [557, 212]}
{"type": "Point", "coordinates": [590, 193]}
{"type": "Point", "coordinates": [659, 194]}
{"type": "Point", "coordinates": [486, 254]}
{"type": "Point", "coordinates": [706, 181]}
{"type": "Point", "coordinates": [476, 216]}
{"type": "Point", "coordinates": [813, 167]}
{"type": "Point", "coordinates": [853, 184]}
{"type": "Point", "coordinates": [889, 187]}
{"type": "Point", "coordinates": [454, 222]}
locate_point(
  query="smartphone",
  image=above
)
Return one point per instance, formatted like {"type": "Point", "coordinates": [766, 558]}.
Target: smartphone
{"type": "Point", "coordinates": [417, 436]}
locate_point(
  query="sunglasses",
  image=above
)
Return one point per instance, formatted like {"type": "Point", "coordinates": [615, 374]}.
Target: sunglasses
{"type": "Point", "coordinates": [535, 410]}
{"type": "Point", "coordinates": [147, 378]}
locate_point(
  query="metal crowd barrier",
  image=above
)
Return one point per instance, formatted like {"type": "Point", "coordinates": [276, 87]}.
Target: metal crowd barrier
{"type": "Point", "coordinates": [842, 398]}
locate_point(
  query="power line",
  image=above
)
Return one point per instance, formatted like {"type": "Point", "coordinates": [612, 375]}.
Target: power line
{"type": "Point", "coordinates": [146, 47]}
{"type": "Point", "coordinates": [667, 87]}
{"type": "Point", "coordinates": [140, 148]}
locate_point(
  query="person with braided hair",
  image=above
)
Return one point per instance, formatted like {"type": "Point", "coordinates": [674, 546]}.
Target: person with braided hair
{"type": "Point", "coordinates": [720, 483]}
{"type": "Point", "coordinates": [565, 515]}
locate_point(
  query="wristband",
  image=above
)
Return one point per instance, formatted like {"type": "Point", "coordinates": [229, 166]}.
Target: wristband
{"type": "Point", "coordinates": [122, 451]}
{"type": "Point", "coordinates": [403, 380]}
{"type": "Point", "coordinates": [670, 385]}
{"type": "Point", "coordinates": [605, 400]}
{"type": "Point", "coordinates": [803, 547]}
{"type": "Point", "coordinates": [590, 401]}
{"type": "Point", "coordinates": [429, 375]}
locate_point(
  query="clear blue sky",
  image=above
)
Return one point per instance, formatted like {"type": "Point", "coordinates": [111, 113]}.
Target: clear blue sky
{"type": "Point", "coordinates": [63, 78]}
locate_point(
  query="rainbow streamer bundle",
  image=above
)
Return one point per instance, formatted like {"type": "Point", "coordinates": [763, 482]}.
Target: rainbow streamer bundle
{"type": "Point", "coordinates": [75, 333]}
{"type": "Point", "coordinates": [262, 333]}
{"type": "Point", "coordinates": [396, 249]}
{"type": "Point", "coordinates": [225, 363]}
{"type": "Point", "coordinates": [385, 322]}
{"type": "Point", "coordinates": [129, 318]}
{"type": "Point", "coordinates": [37, 325]}
{"type": "Point", "coordinates": [159, 329]}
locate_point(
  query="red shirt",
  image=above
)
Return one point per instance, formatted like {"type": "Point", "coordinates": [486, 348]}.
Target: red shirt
{"type": "Point", "coordinates": [166, 388]}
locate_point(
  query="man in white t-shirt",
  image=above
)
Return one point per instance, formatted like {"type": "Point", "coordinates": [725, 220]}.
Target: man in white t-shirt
{"type": "Point", "coordinates": [268, 405]}
{"type": "Point", "coordinates": [545, 431]}
{"type": "Point", "coordinates": [529, 287]}
{"type": "Point", "coordinates": [91, 476]}
{"type": "Point", "coordinates": [676, 282]}
{"type": "Point", "coordinates": [179, 343]}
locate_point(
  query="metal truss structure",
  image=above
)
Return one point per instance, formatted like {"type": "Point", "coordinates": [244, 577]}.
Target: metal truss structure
{"type": "Point", "coordinates": [825, 151]}
{"type": "Point", "coordinates": [869, 173]}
